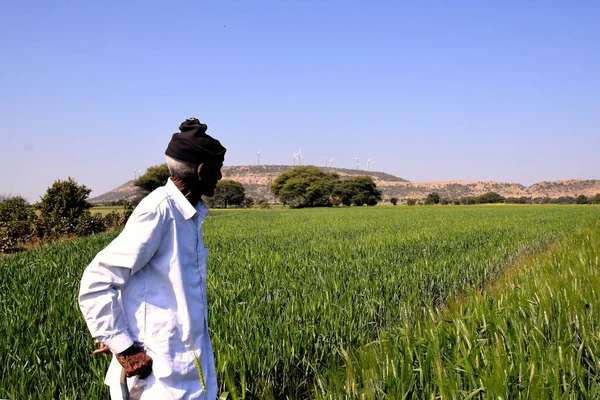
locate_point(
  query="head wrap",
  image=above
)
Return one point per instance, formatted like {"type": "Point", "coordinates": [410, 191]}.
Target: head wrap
{"type": "Point", "coordinates": [193, 145]}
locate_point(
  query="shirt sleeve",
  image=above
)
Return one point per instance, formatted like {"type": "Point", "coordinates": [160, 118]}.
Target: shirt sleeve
{"type": "Point", "coordinates": [109, 271]}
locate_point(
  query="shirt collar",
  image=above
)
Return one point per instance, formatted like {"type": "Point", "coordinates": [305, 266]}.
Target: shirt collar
{"type": "Point", "coordinates": [181, 203]}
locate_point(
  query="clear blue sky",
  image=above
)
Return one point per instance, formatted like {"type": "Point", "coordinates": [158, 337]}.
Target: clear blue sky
{"type": "Point", "coordinates": [470, 90]}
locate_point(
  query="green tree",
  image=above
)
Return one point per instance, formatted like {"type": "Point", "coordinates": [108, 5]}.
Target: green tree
{"type": "Point", "coordinates": [154, 177]}
{"type": "Point", "coordinates": [248, 202]}
{"type": "Point", "coordinates": [17, 220]}
{"type": "Point", "coordinates": [305, 186]}
{"type": "Point", "coordinates": [432, 198]}
{"type": "Point", "coordinates": [358, 190]}
{"type": "Point", "coordinates": [581, 199]}
{"type": "Point", "coordinates": [596, 199]}
{"type": "Point", "coordinates": [490, 198]}
{"type": "Point", "coordinates": [228, 193]}
{"type": "Point", "coordinates": [394, 200]}
{"type": "Point", "coordinates": [15, 209]}
{"type": "Point", "coordinates": [62, 206]}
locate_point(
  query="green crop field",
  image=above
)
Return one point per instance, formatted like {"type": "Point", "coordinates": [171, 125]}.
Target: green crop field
{"type": "Point", "coordinates": [413, 302]}
{"type": "Point", "coordinates": [103, 210]}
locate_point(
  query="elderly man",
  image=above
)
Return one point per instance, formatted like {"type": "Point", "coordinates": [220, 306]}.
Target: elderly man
{"type": "Point", "coordinates": [144, 296]}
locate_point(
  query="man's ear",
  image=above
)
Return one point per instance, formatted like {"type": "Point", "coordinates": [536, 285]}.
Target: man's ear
{"type": "Point", "coordinates": [199, 169]}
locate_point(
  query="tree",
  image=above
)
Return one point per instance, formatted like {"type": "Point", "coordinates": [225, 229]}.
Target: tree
{"type": "Point", "coordinates": [17, 220]}
{"type": "Point", "coordinates": [248, 202]}
{"type": "Point", "coordinates": [62, 206]}
{"type": "Point", "coordinates": [154, 177]}
{"type": "Point", "coordinates": [305, 186]}
{"type": "Point", "coordinates": [581, 199]}
{"type": "Point", "coordinates": [15, 209]}
{"type": "Point", "coordinates": [432, 198]}
{"type": "Point", "coordinates": [490, 198]}
{"type": "Point", "coordinates": [596, 199]}
{"type": "Point", "coordinates": [229, 192]}
{"type": "Point", "coordinates": [394, 200]}
{"type": "Point", "coordinates": [358, 190]}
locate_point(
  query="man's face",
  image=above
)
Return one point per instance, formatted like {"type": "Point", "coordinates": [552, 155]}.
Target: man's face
{"type": "Point", "coordinates": [209, 173]}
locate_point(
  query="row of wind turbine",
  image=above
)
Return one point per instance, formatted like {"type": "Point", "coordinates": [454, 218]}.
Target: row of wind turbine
{"type": "Point", "coordinates": [297, 156]}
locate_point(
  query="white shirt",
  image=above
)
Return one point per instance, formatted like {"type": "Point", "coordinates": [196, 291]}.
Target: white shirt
{"type": "Point", "coordinates": [148, 287]}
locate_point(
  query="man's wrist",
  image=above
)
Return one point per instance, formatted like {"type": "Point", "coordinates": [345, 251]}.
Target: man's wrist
{"type": "Point", "coordinates": [129, 351]}
{"type": "Point", "coordinates": [118, 343]}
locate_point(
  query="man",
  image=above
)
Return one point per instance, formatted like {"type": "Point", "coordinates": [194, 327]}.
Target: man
{"type": "Point", "coordinates": [144, 296]}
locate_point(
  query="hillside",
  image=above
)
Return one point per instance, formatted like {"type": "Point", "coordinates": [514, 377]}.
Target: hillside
{"type": "Point", "coordinates": [258, 178]}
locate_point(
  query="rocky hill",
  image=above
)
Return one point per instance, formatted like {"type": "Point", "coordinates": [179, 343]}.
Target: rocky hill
{"type": "Point", "coordinates": [258, 178]}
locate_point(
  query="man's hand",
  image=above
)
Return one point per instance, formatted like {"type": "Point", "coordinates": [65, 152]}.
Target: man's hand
{"type": "Point", "coordinates": [102, 348]}
{"type": "Point", "coordinates": [135, 362]}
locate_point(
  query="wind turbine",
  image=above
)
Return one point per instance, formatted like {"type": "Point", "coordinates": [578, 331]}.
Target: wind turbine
{"type": "Point", "coordinates": [135, 174]}
{"type": "Point", "coordinates": [325, 160]}
{"type": "Point", "coordinates": [258, 157]}
{"type": "Point", "coordinates": [357, 164]}
{"type": "Point", "coordinates": [368, 163]}
{"type": "Point", "coordinates": [299, 154]}
{"type": "Point", "coordinates": [294, 158]}
{"type": "Point", "coordinates": [331, 162]}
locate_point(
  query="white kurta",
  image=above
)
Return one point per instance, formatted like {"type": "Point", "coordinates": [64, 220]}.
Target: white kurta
{"type": "Point", "coordinates": [148, 288]}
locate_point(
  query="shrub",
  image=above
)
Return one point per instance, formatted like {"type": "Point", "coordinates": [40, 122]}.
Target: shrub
{"type": "Point", "coordinates": [15, 209]}
{"type": "Point", "coordinates": [582, 199]}
{"type": "Point", "coordinates": [114, 220]}
{"type": "Point", "coordinates": [14, 234]}
{"type": "Point", "coordinates": [490, 198]}
{"type": "Point", "coordinates": [61, 208]}
{"type": "Point", "coordinates": [89, 224]}
{"type": "Point", "coordinates": [248, 202]}
{"type": "Point", "coordinates": [411, 202]}
{"type": "Point", "coordinates": [17, 223]}
{"type": "Point", "coordinates": [432, 198]}
{"type": "Point", "coordinates": [394, 200]}
{"type": "Point", "coordinates": [264, 204]}
{"type": "Point", "coordinates": [154, 177]}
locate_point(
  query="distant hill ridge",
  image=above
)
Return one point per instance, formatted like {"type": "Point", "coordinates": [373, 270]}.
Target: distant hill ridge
{"type": "Point", "coordinates": [257, 180]}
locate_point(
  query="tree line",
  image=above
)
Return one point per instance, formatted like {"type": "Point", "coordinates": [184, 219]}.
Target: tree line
{"type": "Point", "coordinates": [303, 186]}
{"type": "Point", "coordinates": [62, 212]}
{"type": "Point", "coordinates": [495, 198]}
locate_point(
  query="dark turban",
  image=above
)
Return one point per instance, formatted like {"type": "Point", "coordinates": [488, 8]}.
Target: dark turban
{"type": "Point", "coordinates": [193, 145]}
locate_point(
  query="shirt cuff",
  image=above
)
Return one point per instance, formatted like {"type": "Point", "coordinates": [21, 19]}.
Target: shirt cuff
{"type": "Point", "coordinates": [118, 343]}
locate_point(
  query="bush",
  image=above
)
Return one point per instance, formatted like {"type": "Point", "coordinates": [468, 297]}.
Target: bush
{"type": "Point", "coordinates": [490, 198]}
{"type": "Point", "coordinates": [17, 223]}
{"type": "Point", "coordinates": [89, 224]}
{"type": "Point", "coordinates": [264, 204]}
{"type": "Point", "coordinates": [154, 177]}
{"type": "Point", "coordinates": [114, 220]}
{"type": "Point", "coordinates": [15, 209]}
{"type": "Point", "coordinates": [581, 199]}
{"type": "Point", "coordinates": [248, 202]}
{"type": "Point", "coordinates": [14, 234]}
{"type": "Point", "coordinates": [411, 202]}
{"type": "Point", "coordinates": [61, 208]}
{"type": "Point", "coordinates": [432, 198]}
{"type": "Point", "coordinates": [394, 200]}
